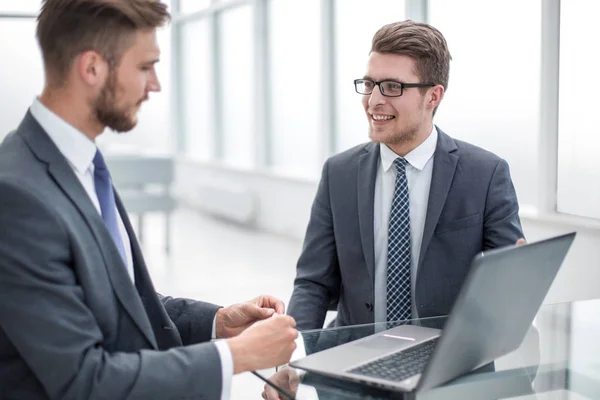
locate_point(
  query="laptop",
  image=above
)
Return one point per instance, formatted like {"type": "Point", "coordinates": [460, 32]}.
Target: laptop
{"type": "Point", "coordinates": [502, 294]}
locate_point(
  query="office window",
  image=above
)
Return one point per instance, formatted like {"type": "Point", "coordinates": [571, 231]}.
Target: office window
{"type": "Point", "coordinates": [20, 6]}
{"type": "Point", "coordinates": [197, 89]}
{"type": "Point", "coordinates": [21, 71]}
{"type": "Point", "coordinates": [579, 122]}
{"type": "Point", "coordinates": [494, 88]}
{"type": "Point", "coordinates": [295, 79]}
{"type": "Point", "coordinates": [236, 80]}
{"type": "Point", "coordinates": [222, 1]}
{"type": "Point", "coordinates": [355, 24]}
{"type": "Point", "coordinates": [190, 6]}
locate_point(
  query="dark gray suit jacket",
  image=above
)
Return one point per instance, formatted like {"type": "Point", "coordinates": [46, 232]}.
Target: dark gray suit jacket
{"type": "Point", "coordinates": [472, 207]}
{"type": "Point", "coordinates": [72, 324]}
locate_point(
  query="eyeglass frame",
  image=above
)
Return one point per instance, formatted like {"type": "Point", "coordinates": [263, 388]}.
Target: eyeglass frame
{"type": "Point", "coordinates": [402, 86]}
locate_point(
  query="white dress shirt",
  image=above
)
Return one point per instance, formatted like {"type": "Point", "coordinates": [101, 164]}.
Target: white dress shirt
{"type": "Point", "coordinates": [79, 151]}
{"type": "Point", "coordinates": [418, 174]}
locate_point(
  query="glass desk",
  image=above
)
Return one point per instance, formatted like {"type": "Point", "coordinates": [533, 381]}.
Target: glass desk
{"type": "Point", "coordinates": [558, 359]}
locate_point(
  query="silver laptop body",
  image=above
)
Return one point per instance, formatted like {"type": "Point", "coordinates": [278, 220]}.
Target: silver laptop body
{"type": "Point", "coordinates": [494, 309]}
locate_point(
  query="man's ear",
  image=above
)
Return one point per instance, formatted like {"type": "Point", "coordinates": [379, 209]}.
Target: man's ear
{"type": "Point", "coordinates": [92, 68]}
{"type": "Point", "coordinates": [435, 96]}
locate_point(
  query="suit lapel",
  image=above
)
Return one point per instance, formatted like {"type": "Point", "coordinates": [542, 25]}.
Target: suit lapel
{"type": "Point", "coordinates": [139, 265]}
{"type": "Point", "coordinates": [367, 173]}
{"type": "Point", "coordinates": [444, 166]}
{"type": "Point", "coordinates": [59, 169]}
{"type": "Point", "coordinates": [165, 338]}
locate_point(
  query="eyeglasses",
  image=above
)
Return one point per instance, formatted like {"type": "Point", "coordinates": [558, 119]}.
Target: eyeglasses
{"type": "Point", "coordinates": [388, 88]}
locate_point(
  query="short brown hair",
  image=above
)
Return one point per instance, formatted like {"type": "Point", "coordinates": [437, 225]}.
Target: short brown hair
{"type": "Point", "coordinates": [67, 28]}
{"type": "Point", "coordinates": [425, 44]}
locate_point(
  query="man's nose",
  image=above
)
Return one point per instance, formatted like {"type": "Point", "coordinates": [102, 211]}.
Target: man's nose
{"type": "Point", "coordinates": [376, 97]}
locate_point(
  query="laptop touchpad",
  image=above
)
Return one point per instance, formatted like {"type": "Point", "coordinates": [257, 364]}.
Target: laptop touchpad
{"type": "Point", "coordinates": [385, 342]}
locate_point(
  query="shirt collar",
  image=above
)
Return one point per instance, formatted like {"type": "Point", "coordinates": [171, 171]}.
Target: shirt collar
{"type": "Point", "coordinates": [417, 158]}
{"type": "Point", "coordinates": [77, 148]}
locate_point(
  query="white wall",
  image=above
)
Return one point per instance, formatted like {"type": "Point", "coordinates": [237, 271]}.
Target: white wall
{"type": "Point", "coordinates": [579, 276]}
{"type": "Point", "coordinates": [282, 206]}
{"type": "Point", "coordinates": [278, 204]}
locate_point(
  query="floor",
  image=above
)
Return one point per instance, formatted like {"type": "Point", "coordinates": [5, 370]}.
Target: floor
{"type": "Point", "coordinates": [217, 261]}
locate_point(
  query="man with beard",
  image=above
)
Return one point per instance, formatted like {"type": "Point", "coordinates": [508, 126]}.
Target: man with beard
{"type": "Point", "coordinates": [396, 222]}
{"type": "Point", "coordinates": [79, 317]}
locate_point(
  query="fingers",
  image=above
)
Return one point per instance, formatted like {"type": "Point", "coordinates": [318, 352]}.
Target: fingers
{"type": "Point", "coordinates": [293, 379]}
{"type": "Point", "coordinates": [271, 341]}
{"type": "Point", "coordinates": [267, 301]}
{"type": "Point", "coordinates": [266, 312]}
{"type": "Point", "coordinates": [291, 325]}
{"type": "Point", "coordinates": [288, 320]}
{"type": "Point", "coordinates": [520, 242]}
{"type": "Point", "coordinates": [284, 325]}
{"type": "Point", "coordinates": [285, 321]}
{"type": "Point", "coordinates": [279, 306]}
{"type": "Point", "coordinates": [269, 393]}
{"type": "Point", "coordinates": [254, 312]}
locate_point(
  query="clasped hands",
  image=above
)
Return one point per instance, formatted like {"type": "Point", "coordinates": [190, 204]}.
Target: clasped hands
{"type": "Point", "coordinates": [258, 333]}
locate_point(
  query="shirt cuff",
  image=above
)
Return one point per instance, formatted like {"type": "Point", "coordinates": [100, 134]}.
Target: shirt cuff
{"type": "Point", "coordinates": [213, 335]}
{"type": "Point", "coordinates": [226, 362]}
{"type": "Point", "coordinates": [226, 368]}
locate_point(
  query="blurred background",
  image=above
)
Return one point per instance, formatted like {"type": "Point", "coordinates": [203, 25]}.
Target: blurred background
{"type": "Point", "coordinates": [220, 173]}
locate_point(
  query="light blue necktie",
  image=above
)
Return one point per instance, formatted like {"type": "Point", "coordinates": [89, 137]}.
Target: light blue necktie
{"type": "Point", "coordinates": [106, 197]}
{"type": "Point", "coordinates": [399, 265]}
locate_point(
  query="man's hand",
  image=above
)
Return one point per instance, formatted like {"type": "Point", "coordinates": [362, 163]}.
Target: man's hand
{"type": "Point", "coordinates": [233, 320]}
{"type": "Point", "coordinates": [287, 379]}
{"type": "Point", "coordinates": [265, 344]}
{"type": "Point", "coordinates": [520, 242]}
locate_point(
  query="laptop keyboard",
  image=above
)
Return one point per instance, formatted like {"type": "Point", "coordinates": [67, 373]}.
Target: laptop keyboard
{"type": "Point", "coordinates": [399, 366]}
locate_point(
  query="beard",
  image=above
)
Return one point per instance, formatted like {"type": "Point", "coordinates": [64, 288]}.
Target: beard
{"type": "Point", "coordinates": [106, 111]}
{"type": "Point", "coordinates": [407, 134]}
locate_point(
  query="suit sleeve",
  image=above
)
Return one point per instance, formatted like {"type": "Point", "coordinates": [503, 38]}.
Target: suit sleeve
{"type": "Point", "coordinates": [317, 283]}
{"type": "Point", "coordinates": [44, 315]}
{"type": "Point", "coordinates": [193, 319]}
{"type": "Point", "coordinates": [501, 224]}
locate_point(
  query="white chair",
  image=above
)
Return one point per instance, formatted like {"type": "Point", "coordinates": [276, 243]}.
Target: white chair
{"type": "Point", "coordinates": [144, 184]}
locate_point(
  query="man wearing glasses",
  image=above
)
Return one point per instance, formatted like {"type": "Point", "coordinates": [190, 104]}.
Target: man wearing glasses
{"type": "Point", "coordinates": [396, 222]}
